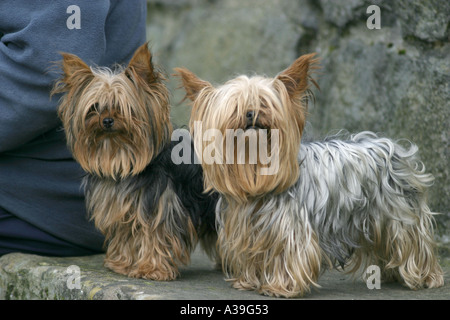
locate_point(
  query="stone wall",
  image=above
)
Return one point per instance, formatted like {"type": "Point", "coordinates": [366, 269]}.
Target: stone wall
{"type": "Point", "coordinates": [393, 80]}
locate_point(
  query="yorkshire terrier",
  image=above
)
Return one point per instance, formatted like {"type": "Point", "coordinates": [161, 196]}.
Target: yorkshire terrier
{"type": "Point", "coordinates": [151, 211]}
{"type": "Point", "coordinates": [350, 202]}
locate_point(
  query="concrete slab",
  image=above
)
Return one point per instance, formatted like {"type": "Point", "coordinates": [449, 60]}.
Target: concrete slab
{"type": "Point", "coordinates": [24, 276]}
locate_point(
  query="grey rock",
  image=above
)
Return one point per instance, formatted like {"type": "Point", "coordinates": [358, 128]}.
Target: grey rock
{"type": "Point", "coordinates": [427, 20]}
{"type": "Point", "coordinates": [341, 12]}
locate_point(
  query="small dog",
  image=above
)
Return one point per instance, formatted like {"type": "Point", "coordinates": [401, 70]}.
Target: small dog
{"type": "Point", "coordinates": [341, 202]}
{"type": "Point", "coordinates": [151, 211]}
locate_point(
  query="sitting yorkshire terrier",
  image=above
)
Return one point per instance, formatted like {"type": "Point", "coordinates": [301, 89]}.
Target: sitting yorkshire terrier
{"type": "Point", "coordinates": [151, 211]}
{"type": "Point", "coordinates": [285, 215]}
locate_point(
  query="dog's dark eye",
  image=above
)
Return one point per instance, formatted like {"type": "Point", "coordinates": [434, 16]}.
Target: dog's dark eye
{"type": "Point", "coordinates": [250, 115]}
{"type": "Point", "coordinates": [94, 108]}
{"type": "Point", "coordinates": [263, 104]}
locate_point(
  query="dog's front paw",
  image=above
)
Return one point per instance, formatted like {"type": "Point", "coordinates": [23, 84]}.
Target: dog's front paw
{"type": "Point", "coordinates": [149, 272]}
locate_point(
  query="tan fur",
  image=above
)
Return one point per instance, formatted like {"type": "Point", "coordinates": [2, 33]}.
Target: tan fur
{"type": "Point", "coordinates": [138, 247]}
{"type": "Point", "coordinates": [274, 255]}
{"type": "Point", "coordinates": [140, 243]}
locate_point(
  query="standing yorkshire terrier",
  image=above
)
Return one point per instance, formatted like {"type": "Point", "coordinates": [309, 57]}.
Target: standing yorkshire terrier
{"type": "Point", "coordinates": [352, 202]}
{"type": "Point", "coordinates": [117, 125]}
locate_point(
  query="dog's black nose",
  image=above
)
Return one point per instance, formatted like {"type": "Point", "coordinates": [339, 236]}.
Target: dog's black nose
{"type": "Point", "coordinates": [108, 123]}
{"type": "Point", "coordinates": [250, 115]}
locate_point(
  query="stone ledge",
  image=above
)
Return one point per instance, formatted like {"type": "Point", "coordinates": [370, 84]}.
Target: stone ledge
{"type": "Point", "coordinates": [24, 276]}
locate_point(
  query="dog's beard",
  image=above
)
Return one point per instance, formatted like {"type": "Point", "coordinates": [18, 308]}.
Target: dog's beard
{"type": "Point", "coordinates": [116, 155]}
{"type": "Point", "coordinates": [245, 180]}
{"type": "Point", "coordinates": [244, 160]}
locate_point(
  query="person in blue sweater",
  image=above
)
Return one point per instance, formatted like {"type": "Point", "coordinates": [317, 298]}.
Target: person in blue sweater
{"type": "Point", "coordinates": [42, 207]}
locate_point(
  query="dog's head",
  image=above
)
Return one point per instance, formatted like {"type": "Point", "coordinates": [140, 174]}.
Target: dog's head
{"type": "Point", "coordinates": [247, 132]}
{"type": "Point", "coordinates": [116, 121]}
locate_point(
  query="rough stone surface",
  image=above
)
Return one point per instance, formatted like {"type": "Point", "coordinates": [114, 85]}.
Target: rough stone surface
{"type": "Point", "coordinates": [394, 80]}
{"type": "Point", "coordinates": [25, 276]}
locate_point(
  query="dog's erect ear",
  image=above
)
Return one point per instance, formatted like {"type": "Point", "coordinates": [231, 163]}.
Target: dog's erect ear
{"type": "Point", "coordinates": [75, 72]}
{"type": "Point", "coordinates": [297, 78]}
{"type": "Point", "coordinates": [191, 83]}
{"type": "Point", "coordinates": [72, 65]}
{"type": "Point", "coordinates": [141, 65]}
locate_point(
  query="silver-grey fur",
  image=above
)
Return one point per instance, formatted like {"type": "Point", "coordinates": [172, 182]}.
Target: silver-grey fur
{"type": "Point", "coordinates": [362, 197]}
{"type": "Point", "coordinates": [345, 185]}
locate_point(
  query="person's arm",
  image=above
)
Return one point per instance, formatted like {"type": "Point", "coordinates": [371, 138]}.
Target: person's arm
{"type": "Point", "coordinates": [122, 40]}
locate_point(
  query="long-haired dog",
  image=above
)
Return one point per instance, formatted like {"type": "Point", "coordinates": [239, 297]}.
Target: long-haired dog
{"type": "Point", "coordinates": [151, 211]}
{"type": "Point", "coordinates": [348, 202]}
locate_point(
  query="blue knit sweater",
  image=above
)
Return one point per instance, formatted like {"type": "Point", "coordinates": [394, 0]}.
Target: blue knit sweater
{"type": "Point", "coordinates": [39, 180]}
